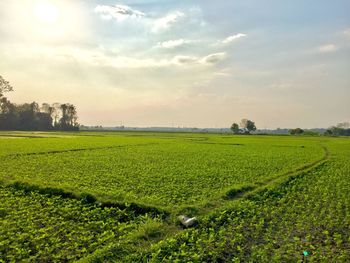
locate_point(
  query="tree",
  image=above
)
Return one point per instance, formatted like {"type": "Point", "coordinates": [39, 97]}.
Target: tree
{"type": "Point", "coordinates": [72, 115]}
{"type": "Point", "coordinates": [4, 86]}
{"type": "Point", "coordinates": [69, 117]}
{"type": "Point", "coordinates": [343, 125]}
{"type": "Point", "coordinates": [235, 128]}
{"type": "Point", "coordinates": [342, 129]}
{"type": "Point", "coordinates": [248, 125]}
{"type": "Point", "coordinates": [27, 115]}
{"type": "Point", "coordinates": [56, 108]}
{"type": "Point", "coordinates": [296, 131]}
{"type": "Point", "coordinates": [8, 115]}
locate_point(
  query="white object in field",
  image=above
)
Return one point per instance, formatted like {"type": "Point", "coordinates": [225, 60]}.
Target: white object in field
{"type": "Point", "coordinates": [188, 221]}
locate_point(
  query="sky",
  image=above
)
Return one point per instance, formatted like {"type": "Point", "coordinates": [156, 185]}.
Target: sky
{"type": "Point", "coordinates": [184, 63]}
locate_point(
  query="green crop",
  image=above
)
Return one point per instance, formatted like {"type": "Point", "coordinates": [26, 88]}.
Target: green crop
{"type": "Point", "coordinates": [308, 216]}
{"type": "Point", "coordinates": [106, 197]}
{"type": "Point", "coordinates": [159, 172]}
{"type": "Point", "coordinates": [35, 227]}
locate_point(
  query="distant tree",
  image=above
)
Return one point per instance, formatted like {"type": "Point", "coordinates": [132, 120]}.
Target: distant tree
{"type": "Point", "coordinates": [311, 133]}
{"type": "Point", "coordinates": [4, 86]}
{"type": "Point", "coordinates": [27, 116]}
{"type": "Point", "coordinates": [328, 132]}
{"type": "Point", "coordinates": [69, 117]}
{"type": "Point", "coordinates": [44, 121]}
{"type": "Point", "coordinates": [8, 115]}
{"type": "Point", "coordinates": [248, 125]}
{"type": "Point", "coordinates": [343, 125]}
{"type": "Point", "coordinates": [4, 102]}
{"type": "Point", "coordinates": [72, 115]}
{"type": "Point", "coordinates": [341, 129]}
{"type": "Point", "coordinates": [235, 128]}
{"type": "Point", "coordinates": [296, 131]}
{"type": "Point", "coordinates": [64, 121]}
{"type": "Point", "coordinates": [56, 114]}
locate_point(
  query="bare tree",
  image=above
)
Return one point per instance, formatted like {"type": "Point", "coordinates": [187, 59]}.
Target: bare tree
{"type": "Point", "coordinates": [4, 86]}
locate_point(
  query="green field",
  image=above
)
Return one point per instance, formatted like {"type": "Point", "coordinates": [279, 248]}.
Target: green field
{"type": "Point", "coordinates": [102, 196]}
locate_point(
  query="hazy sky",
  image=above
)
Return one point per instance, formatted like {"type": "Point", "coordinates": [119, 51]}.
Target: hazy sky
{"type": "Point", "coordinates": [204, 63]}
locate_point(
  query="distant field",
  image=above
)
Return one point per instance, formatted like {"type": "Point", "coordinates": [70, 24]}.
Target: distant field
{"type": "Point", "coordinates": [208, 175]}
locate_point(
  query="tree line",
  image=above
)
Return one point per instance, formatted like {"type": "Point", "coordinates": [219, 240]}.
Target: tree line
{"type": "Point", "coordinates": [31, 116]}
{"type": "Point", "coordinates": [341, 129]}
{"type": "Point", "coordinates": [247, 126]}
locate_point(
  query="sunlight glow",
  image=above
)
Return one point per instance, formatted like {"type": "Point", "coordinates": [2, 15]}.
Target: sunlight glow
{"type": "Point", "coordinates": [46, 12]}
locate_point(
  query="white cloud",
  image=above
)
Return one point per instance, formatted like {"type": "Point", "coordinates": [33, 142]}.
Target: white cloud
{"type": "Point", "coordinates": [207, 60]}
{"type": "Point", "coordinates": [328, 48]}
{"type": "Point", "coordinates": [119, 12]}
{"type": "Point", "coordinates": [167, 21]}
{"type": "Point", "coordinates": [347, 32]}
{"type": "Point", "coordinates": [232, 38]}
{"type": "Point", "coordinates": [102, 57]}
{"type": "Point", "coordinates": [281, 86]}
{"type": "Point", "coordinates": [174, 43]}
{"type": "Point", "coordinates": [214, 58]}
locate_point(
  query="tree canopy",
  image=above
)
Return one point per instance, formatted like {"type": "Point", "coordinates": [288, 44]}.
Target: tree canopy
{"type": "Point", "coordinates": [235, 128]}
{"type": "Point", "coordinates": [341, 129]}
{"type": "Point", "coordinates": [30, 116]}
{"type": "Point", "coordinates": [247, 126]}
{"type": "Point", "coordinates": [296, 131]}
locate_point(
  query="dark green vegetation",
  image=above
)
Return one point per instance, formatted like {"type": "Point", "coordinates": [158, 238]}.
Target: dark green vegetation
{"type": "Point", "coordinates": [115, 197]}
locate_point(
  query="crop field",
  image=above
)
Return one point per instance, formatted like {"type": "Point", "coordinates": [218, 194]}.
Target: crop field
{"type": "Point", "coordinates": [100, 197]}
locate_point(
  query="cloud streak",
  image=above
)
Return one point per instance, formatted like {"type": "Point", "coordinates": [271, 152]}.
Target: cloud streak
{"type": "Point", "coordinates": [214, 58]}
{"type": "Point", "coordinates": [104, 58]}
{"type": "Point", "coordinates": [119, 12]}
{"type": "Point", "coordinates": [233, 38]}
{"type": "Point", "coordinates": [328, 48]}
{"type": "Point", "coordinates": [164, 23]}
{"type": "Point", "coordinates": [174, 43]}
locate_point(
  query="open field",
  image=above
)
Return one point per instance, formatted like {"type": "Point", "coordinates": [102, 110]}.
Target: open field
{"type": "Point", "coordinates": [115, 196]}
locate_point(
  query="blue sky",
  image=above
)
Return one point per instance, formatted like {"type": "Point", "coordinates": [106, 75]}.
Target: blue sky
{"type": "Point", "coordinates": [188, 63]}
